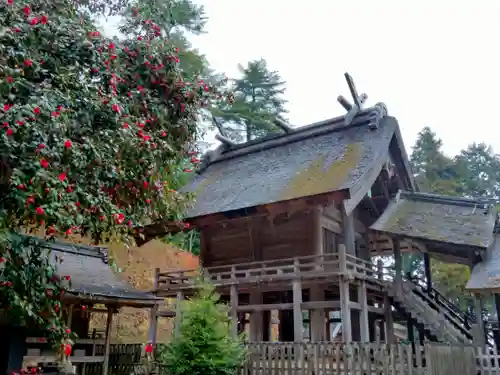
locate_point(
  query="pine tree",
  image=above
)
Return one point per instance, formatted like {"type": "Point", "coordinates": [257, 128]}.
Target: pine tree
{"type": "Point", "coordinates": [204, 344]}
{"type": "Point", "coordinates": [258, 102]}
{"type": "Point", "coordinates": [90, 129]}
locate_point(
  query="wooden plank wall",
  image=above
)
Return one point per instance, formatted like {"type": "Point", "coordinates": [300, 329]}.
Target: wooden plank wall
{"type": "Point", "coordinates": [248, 240]}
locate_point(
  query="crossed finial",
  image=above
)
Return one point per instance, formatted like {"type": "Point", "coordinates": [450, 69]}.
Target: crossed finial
{"type": "Point", "coordinates": [352, 109]}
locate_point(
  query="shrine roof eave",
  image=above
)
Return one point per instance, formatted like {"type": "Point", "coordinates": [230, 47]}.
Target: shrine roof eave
{"type": "Point", "coordinates": [450, 224]}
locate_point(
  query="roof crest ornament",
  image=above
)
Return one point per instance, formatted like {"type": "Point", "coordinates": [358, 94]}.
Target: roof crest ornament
{"type": "Point", "coordinates": [352, 109]}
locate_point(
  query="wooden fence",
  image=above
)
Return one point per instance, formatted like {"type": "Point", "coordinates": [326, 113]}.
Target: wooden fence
{"type": "Point", "coordinates": [335, 359]}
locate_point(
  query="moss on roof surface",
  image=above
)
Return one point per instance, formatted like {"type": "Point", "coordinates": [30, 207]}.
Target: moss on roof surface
{"type": "Point", "coordinates": [438, 221]}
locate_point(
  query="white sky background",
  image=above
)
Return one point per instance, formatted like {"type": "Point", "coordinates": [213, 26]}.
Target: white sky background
{"type": "Point", "coordinates": [434, 63]}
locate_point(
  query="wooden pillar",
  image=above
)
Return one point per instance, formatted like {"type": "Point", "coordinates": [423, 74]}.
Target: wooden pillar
{"type": "Point", "coordinates": [317, 316]}
{"type": "Point", "coordinates": [234, 310]}
{"type": "Point", "coordinates": [298, 325]}
{"type": "Point", "coordinates": [153, 314]}
{"type": "Point", "coordinates": [349, 233]}
{"type": "Point", "coordinates": [363, 314]}
{"type": "Point", "coordinates": [389, 324]}
{"type": "Point", "coordinates": [479, 334]}
{"type": "Point", "coordinates": [345, 309]}
{"type": "Point", "coordinates": [398, 264]}
{"type": "Point", "coordinates": [256, 318]}
{"type": "Point", "coordinates": [497, 330]}
{"type": "Point", "coordinates": [109, 324]}
{"type": "Point", "coordinates": [428, 274]}
{"type": "Point", "coordinates": [178, 312]}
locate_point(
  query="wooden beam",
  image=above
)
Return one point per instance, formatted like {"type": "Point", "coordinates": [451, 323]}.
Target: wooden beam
{"type": "Point", "coordinates": [224, 140]}
{"type": "Point", "coordinates": [290, 206]}
{"type": "Point", "coordinates": [283, 125]}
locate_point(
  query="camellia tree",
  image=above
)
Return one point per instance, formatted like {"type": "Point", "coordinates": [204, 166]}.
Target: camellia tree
{"type": "Point", "coordinates": [89, 129]}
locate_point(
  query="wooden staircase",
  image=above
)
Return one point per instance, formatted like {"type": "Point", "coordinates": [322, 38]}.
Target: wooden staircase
{"type": "Point", "coordinates": [438, 321]}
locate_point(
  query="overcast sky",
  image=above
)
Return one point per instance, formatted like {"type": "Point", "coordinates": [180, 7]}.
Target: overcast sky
{"type": "Point", "coordinates": [434, 63]}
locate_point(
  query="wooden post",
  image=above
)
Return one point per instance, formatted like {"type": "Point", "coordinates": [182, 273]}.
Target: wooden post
{"type": "Point", "coordinates": [178, 312]}
{"type": "Point", "coordinates": [389, 324]}
{"type": "Point", "coordinates": [70, 316]}
{"type": "Point", "coordinates": [256, 317]}
{"type": "Point", "coordinates": [380, 269]}
{"type": "Point", "coordinates": [109, 324]}
{"type": "Point", "coordinates": [398, 264]}
{"type": "Point", "coordinates": [234, 308]}
{"type": "Point", "coordinates": [363, 318]}
{"type": "Point", "coordinates": [153, 314]}
{"type": "Point", "coordinates": [497, 331]}
{"type": "Point", "coordinates": [317, 316]}
{"type": "Point", "coordinates": [349, 233]}
{"type": "Point", "coordinates": [298, 324]}
{"type": "Point", "coordinates": [479, 335]}
{"type": "Point", "coordinates": [427, 270]}
{"type": "Point", "coordinates": [345, 309]}
{"type": "Point", "coordinates": [342, 258]}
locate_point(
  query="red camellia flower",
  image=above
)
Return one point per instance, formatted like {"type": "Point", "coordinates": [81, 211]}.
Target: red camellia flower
{"type": "Point", "coordinates": [34, 21]}
{"type": "Point", "coordinates": [51, 230]}
{"type": "Point", "coordinates": [28, 63]}
{"type": "Point", "coordinates": [10, 79]}
{"type": "Point", "coordinates": [111, 46]}
{"type": "Point", "coordinates": [119, 218]}
{"type": "Point", "coordinates": [68, 144]}
{"type": "Point", "coordinates": [27, 10]}
{"type": "Point", "coordinates": [69, 231]}
{"type": "Point", "coordinates": [115, 108]}
{"type": "Point", "coordinates": [40, 211]}
{"type": "Point", "coordinates": [44, 163]}
{"type": "Point", "coordinates": [67, 350]}
{"type": "Point", "coordinates": [10, 132]}
{"type": "Point", "coordinates": [37, 110]}
{"type": "Point", "coordinates": [44, 19]}
{"type": "Point", "coordinates": [148, 348]}
{"type": "Point", "coordinates": [62, 176]}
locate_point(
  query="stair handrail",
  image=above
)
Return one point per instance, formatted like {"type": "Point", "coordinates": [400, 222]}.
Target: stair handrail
{"type": "Point", "coordinates": [465, 317]}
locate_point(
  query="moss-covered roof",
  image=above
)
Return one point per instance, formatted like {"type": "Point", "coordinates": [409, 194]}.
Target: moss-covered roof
{"type": "Point", "coordinates": [485, 276]}
{"type": "Point", "coordinates": [91, 275]}
{"type": "Point", "coordinates": [450, 220]}
{"type": "Point", "coordinates": [312, 160]}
